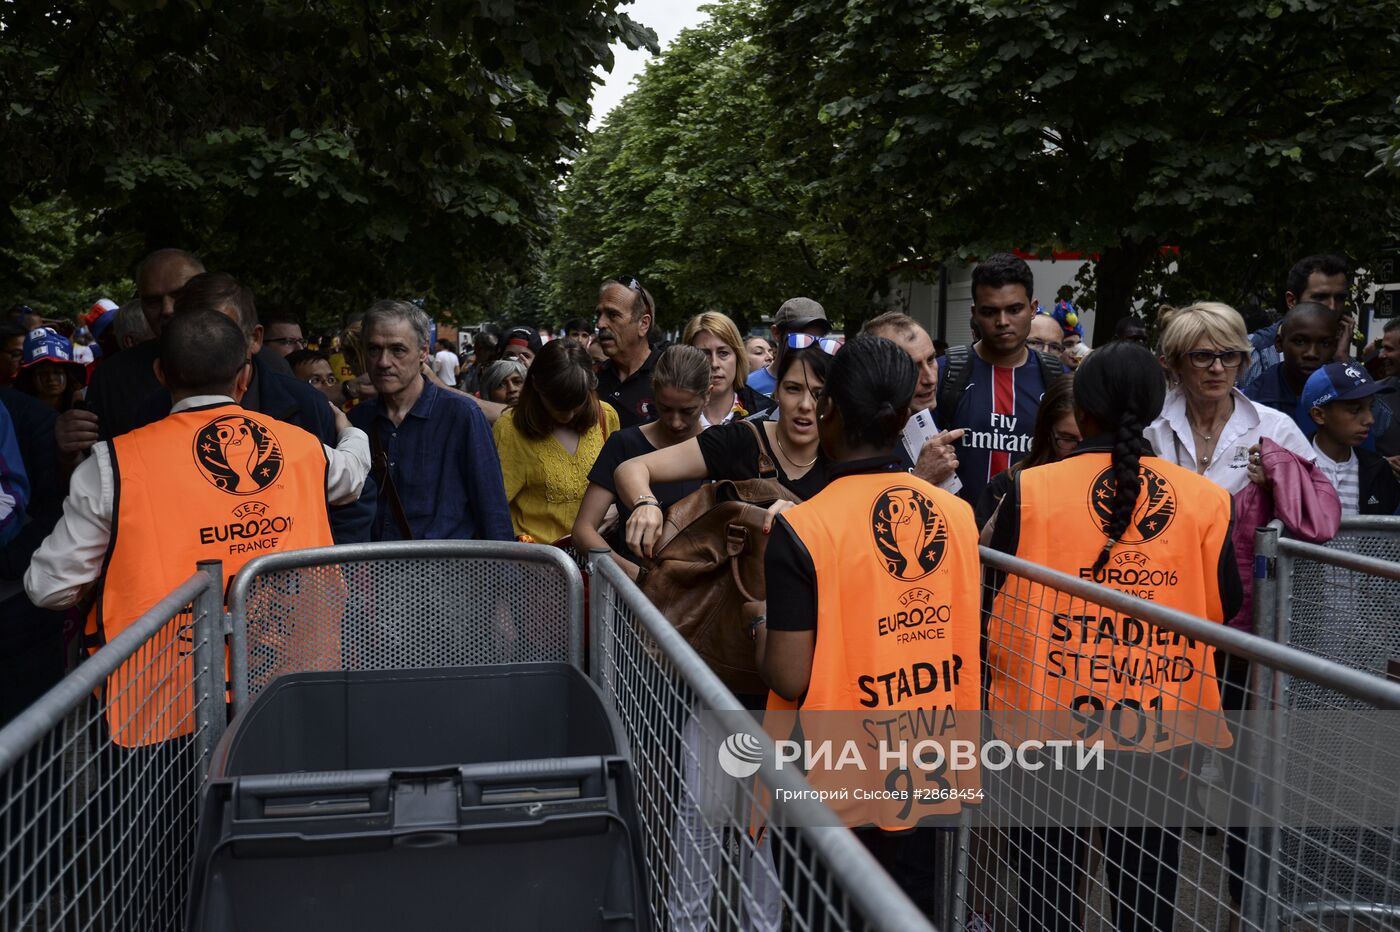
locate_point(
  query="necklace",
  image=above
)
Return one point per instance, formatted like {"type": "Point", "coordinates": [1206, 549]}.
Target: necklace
{"type": "Point", "coordinates": [1216, 423]}
{"type": "Point", "coordinates": [778, 438]}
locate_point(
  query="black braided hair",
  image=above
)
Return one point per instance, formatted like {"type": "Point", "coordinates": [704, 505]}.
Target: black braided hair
{"type": "Point", "coordinates": [871, 382]}
{"type": "Point", "coordinates": [1121, 387]}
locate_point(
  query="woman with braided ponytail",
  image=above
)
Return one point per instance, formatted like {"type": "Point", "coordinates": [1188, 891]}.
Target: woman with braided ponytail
{"type": "Point", "coordinates": [1114, 512]}
{"type": "Point", "coordinates": [875, 575]}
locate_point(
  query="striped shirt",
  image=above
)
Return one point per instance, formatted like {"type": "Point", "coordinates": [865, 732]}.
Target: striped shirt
{"type": "Point", "coordinates": [1345, 477]}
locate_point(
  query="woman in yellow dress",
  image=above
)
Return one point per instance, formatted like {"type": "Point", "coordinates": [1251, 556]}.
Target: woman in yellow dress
{"type": "Point", "coordinates": [550, 439]}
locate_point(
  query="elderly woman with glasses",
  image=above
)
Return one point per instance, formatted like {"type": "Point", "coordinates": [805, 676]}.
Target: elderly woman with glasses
{"type": "Point", "coordinates": [1207, 425]}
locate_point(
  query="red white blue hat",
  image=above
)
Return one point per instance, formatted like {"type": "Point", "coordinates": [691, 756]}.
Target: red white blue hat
{"type": "Point", "coordinates": [100, 316]}
{"type": "Point", "coordinates": [46, 345]}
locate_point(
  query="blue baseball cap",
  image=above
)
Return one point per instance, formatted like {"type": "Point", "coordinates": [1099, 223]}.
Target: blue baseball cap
{"type": "Point", "coordinates": [1339, 381]}
{"type": "Point", "coordinates": [46, 345]}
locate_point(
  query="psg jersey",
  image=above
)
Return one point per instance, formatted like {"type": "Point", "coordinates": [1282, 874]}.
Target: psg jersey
{"type": "Point", "coordinates": [998, 412]}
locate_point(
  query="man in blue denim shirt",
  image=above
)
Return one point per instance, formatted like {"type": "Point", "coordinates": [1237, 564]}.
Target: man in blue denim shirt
{"type": "Point", "coordinates": [432, 449]}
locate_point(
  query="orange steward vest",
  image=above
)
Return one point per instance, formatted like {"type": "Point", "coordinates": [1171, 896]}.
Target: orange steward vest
{"type": "Point", "coordinates": [897, 653]}
{"type": "Point", "coordinates": [208, 483]}
{"type": "Point", "coordinates": [1085, 671]}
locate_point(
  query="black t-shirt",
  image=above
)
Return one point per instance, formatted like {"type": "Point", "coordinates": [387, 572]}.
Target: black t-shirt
{"type": "Point", "coordinates": [731, 452]}
{"type": "Point", "coordinates": [631, 398]}
{"type": "Point", "coordinates": [619, 448]}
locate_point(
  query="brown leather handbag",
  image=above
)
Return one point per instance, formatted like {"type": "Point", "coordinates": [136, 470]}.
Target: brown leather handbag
{"type": "Point", "coordinates": [709, 565]}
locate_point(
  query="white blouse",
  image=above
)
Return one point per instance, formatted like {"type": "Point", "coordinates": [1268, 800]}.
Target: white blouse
{"type": "Point", "coordinates": [1171, 436]}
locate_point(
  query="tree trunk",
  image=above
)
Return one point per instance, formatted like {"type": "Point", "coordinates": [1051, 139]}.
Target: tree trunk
{"type": "Point", "coordinates": [1116, 277]}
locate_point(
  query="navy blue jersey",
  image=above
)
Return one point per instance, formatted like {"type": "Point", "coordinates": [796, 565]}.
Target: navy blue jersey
{"type": "Point", "coordinates": [998, 412]}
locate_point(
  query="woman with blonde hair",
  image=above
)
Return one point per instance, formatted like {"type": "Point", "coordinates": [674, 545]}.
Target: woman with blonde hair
{"type": "Point", "coordinates": [715, 335]}
{"type": "Point", "coordinates": [1207, 425]}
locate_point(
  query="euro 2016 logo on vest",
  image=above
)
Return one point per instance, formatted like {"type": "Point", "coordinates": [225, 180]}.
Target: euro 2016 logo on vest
{"type": "Point", "coordinates": [237, 454]}
{"type": "Point", "coordinates": [1152, 513]}
{"type": "Point", "coordinates": [909, 533]}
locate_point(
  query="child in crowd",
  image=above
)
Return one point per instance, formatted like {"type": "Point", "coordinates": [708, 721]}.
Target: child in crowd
{"type": "Point", "coordinates": [1338, 398]}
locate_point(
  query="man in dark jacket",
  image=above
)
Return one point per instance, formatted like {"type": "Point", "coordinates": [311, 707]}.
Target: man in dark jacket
{"type": "Point", "coordinates": [280, 396]}
{"type": "Point", "coordinates": [120, 385]}
{"type": "Point", "coordinates": [1307, 340]}
{"type": "Point", "coordinates": [31, 639]}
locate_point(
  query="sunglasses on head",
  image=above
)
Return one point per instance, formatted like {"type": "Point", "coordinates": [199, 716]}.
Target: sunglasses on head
{"type": "Point", "coordinates": [632, 283]}
{"type": "Point", "coordinates": [829, 345]}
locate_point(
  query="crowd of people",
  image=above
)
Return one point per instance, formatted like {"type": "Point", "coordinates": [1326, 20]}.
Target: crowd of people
{"type": "Point", "coordinates": [197, 425]}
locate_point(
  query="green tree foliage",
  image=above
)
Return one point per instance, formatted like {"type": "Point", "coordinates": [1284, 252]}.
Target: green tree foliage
{"type": "Point", "coordinates": [329, 153]}
{"type": "Point", "coordinates": [678, 188]}
{"type": "Point", "coordinates": [58, 260]}
{"type": "Point", "coordinates": [1241, 132]}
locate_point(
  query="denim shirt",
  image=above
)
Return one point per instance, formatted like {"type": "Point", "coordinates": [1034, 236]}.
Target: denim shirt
{"type": "Point", "coordinates": [443, 462]}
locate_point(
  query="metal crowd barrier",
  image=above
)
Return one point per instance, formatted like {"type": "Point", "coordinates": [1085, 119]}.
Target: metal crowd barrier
{"type": "Point", "coordinates": [1291, 819]}
{"type": "Point", "coordinates": [1340, 601]}
{"type": "Point", "coordinates": [99, 779]}
{"type": "Point", "coordinates": [719, 853]}
{"type": "Point", "coordinates": [1196, 816]}
{"type": "Point", "coordinates": [402, 605]}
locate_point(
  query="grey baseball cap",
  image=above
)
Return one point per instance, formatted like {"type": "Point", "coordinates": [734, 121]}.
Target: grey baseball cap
{"type": "Point", "coordinates": [800, 313]}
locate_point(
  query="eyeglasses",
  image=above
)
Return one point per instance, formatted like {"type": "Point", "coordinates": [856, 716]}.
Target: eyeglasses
{"type": "Point", "coordinates": [1204, 359]}
{"type": "Point", "coordinates": [298, 342]}
{"type": "Point", "coordinates": [632, 283]}
{"type": "Point", "coordinates": [326, 380]}
{"type": "Point", "coordinates": [1065, 442]}
{"type": "Point", "coordinates": [829, 345]}
{"type": "Point", "coordinates": [1041, 346]}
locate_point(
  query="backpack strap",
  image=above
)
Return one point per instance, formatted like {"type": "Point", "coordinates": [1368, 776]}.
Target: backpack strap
{"type": "Point", "coordinates": [957, 373]}
{"type": "Point", "coordinates": [1050, 368]}
{"type": "Point", "coordinates": [384, 476]}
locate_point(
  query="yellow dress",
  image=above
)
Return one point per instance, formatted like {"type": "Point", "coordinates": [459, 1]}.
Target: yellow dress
{"type": "Point", "coordinates": [544, 484]}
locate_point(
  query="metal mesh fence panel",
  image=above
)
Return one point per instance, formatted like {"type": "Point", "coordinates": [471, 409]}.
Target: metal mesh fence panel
{"type": "Point", "coordinates": [403, 606]}
{"type": "Point", "coordinates": [719, 853]}
{"type": "Point", "coordinates": [1345, 614]}
{"type": "Point", "coordinates": [1209, 782]}
{"type": "Point", "coordinates": [99, 780]}
{"type": "Point", "coordinates": [1347, 610]}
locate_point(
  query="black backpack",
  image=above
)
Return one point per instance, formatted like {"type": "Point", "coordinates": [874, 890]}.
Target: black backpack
{"type": "Point", "coordinates": [957, 373]}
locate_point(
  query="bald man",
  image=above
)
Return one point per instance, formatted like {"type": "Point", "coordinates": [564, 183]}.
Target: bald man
{"type": "Point", "coordinates": [124, 381]}
{"type": "Point", "coordinates": [1047, 337]}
